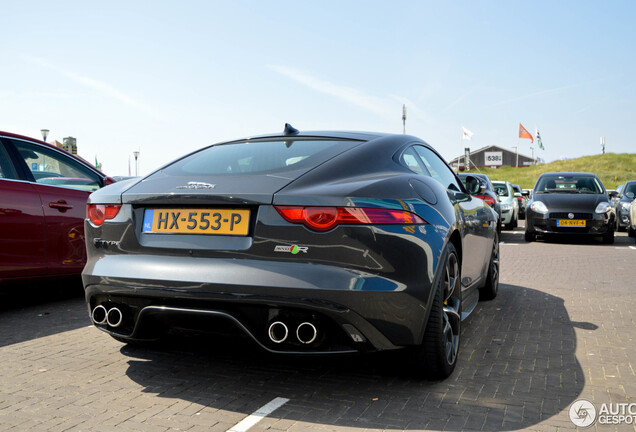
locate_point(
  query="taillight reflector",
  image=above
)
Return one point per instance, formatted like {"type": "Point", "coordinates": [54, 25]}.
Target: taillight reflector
{"type": "Point", "coordinates": [488, 200]}
{"type": "Point", "coordinates": [326, 218]}
{"type": "Point", "coordinates": [98, 213]}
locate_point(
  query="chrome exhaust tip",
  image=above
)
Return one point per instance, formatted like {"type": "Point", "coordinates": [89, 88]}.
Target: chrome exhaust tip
{"type": "Point", "coordinates": [114, 317]}
{"type": "Point", "coordinates": [278, 332]}
{"type": "Point", "coordinates": [306, 333]}
{"type": "Point", "coordinates": [99, 315]}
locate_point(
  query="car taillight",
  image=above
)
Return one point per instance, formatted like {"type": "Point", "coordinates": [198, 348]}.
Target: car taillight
{"type": "Point", "coordinates": [98, 213]}
{"type": "Point", "coordinates": [326, 218]}
{"type": "Point", "coordinates": [519, 199]}
{"type": "Point", "coordinates": [488, 200]}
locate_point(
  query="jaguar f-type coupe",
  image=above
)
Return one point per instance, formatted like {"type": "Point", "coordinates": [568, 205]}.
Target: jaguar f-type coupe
{"type": "Point", "coordinates": [307, 243]}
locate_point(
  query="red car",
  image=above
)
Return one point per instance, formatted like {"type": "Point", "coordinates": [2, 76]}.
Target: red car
{"type": "Point", "coordinates": [43, 194]}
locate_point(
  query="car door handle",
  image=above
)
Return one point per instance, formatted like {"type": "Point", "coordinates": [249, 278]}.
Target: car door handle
{"type": "Point", "coordinates": [60, 205]}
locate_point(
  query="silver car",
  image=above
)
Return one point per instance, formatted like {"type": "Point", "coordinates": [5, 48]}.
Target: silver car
{"type": "Point", "coordinates": [509, 203]}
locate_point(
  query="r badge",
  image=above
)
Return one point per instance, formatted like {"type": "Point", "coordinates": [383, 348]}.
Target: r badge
{"type": "Point", "coordinates": [293, 249]}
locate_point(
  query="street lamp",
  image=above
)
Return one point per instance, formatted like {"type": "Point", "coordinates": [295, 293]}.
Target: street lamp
{"type": "Point", "coordinates": [45, 133]}
{"type": "Point", "coordinates": [403, 119]}
{"type": "Point", "coordinates": [136, 153]}
{"type": "Point", "coordinates": [532, 149]}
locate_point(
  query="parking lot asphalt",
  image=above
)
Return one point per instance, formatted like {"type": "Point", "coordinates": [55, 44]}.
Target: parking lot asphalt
{"type": "Point", "coordinates": [561, 329]}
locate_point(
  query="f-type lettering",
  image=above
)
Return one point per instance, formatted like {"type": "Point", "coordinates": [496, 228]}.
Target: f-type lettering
{"type": "Point", "coordinates": [175, 220]}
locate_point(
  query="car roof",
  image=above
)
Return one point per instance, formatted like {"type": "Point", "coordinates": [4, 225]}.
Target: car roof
{"type": "Point", "coordinates": [474, 175]}
{"type": "Point", "coordinates": [573, 173]}
{"type": "Point", "coordinates": [26, 138]}
{"type": "Point", "coordinates": [350, 135]}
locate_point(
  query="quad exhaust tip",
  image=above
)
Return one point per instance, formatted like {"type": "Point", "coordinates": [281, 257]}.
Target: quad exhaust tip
{"type": "Point", "coordinates": [113, 316]}
{"type": "Point", "coordinates": [306, 333]}
{"type": "Point", "coordinates": [99, 315]}
{"type": "Point", "coordinates": [278, 332]}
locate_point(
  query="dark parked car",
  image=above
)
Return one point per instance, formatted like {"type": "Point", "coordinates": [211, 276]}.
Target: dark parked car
{"type": "Point", "coordinates": [43, 194]}
{"type": "Point", "coordinates": [308, 243]}
{"type": "Point", "coordinates": [487, 193]}
{"type": "Point", "coordinates": [570, 204]}
{"type": "Point", "coordinates": [625, 196]}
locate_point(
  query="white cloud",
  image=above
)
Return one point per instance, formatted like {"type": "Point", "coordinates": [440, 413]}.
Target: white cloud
{"type": "Point", "coordinates": [93, 84]}
{"type": "Point", "coordinates": [382, 106]}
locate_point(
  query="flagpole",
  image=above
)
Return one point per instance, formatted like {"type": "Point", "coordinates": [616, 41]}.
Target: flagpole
{"type": "Point", "coordinates": [461, 147]}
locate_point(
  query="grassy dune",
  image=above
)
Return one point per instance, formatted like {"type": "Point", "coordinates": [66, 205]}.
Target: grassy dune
{"type": "Point", "coordinates": [613, 169]}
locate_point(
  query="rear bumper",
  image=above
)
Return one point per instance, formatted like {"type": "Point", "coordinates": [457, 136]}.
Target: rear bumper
{"type": "Point", "coordinates": [506, 216]}
{"type": "Point", "coordinates": [352, 310]}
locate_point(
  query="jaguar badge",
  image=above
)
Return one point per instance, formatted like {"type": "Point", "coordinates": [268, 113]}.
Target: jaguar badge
{"type": "Point", "coordinates": [197, 185]}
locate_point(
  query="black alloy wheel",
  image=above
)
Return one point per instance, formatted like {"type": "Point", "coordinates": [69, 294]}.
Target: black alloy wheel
{"type": "Point", "coordinates": [436, 357]}
{"type": "Point", "coordinates": [530, 237]}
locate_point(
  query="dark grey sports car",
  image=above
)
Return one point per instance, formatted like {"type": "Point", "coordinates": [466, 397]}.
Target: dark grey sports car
{"type": "Point", "coordinates": [568, 203]}
{"type": "Point", "coordinates": [315, 242]}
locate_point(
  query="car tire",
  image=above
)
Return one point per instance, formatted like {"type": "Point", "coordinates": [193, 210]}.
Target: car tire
{"type": "Point", "coordinates": [608, 238]}
{"type": "Point", "coordinates": [630, 232]}
{"type": "Point", "coordinates": [515, 222]}
{"type": "Point", "coordinates": [530, 237]}
{"type": "Point", "coordinates": [435, 358]}
{"type": "Point", "coordinates": [490, 289]}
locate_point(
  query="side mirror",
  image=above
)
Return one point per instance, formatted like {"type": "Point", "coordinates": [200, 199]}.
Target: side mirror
{"type": "Point", "coordinates": [525, 193]}
{"type": "Point", "coordinates": [629, 195]}
{"type": "Point", "coordinates": [474, 186]}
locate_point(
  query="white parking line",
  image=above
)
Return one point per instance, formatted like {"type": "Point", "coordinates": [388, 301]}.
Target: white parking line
{"type": "Point", "coordinates": [632, 247]}
{"type": "Point", "coordinates": [258, 415]}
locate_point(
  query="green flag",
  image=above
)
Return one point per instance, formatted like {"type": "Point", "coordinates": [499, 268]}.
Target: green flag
{"type": "Point", "coordinates": [539, 141]}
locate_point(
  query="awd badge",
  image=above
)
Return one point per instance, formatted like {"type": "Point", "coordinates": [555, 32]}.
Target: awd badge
{"type": "Point", "coordinates": [293, 249]}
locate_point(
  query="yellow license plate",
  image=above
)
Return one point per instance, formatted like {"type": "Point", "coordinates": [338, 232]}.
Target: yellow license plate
{"type": "Point", "coordinates": [197, 221]}
{"type": "Point", "coordinates": [571, 222]}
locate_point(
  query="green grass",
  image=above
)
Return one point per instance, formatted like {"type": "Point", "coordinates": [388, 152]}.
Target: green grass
{"type": "Point", "coordinates": [613, 169]}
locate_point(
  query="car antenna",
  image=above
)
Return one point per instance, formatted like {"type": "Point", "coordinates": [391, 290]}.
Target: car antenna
{"type": "Point", "coordinates": [290, 130]}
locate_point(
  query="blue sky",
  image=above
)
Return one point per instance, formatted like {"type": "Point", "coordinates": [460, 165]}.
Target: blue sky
{"type": "Point", "coordinates": [166, 78]}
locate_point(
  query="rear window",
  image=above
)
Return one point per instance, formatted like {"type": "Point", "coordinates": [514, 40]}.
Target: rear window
{"type": "Point", "coordinates": [260, 157]}
{"type": "Point", "coordinates": [501, 189]}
